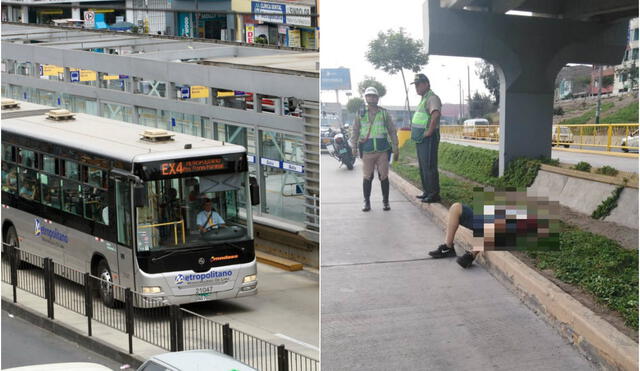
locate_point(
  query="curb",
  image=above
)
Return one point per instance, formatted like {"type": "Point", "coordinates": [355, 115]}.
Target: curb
{"type": "Point", "coordinates": [69, 333]}
{"type": "Point", "coordinates": [595, 339]}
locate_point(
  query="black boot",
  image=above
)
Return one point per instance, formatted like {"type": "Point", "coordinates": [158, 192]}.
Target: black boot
{"type": "Point", "coordinates": [366, 190]}
{"type": "Point", "coordinates": [385, 194]}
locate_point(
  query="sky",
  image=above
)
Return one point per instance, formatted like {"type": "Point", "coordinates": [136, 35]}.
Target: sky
{"type": "Point", "coordinates": [347, 27]}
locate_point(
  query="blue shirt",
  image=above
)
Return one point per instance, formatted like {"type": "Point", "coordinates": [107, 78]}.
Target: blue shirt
{"type": "Point", "coordinates": [214, 222]}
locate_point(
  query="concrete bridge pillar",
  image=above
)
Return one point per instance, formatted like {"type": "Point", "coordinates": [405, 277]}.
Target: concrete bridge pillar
{"type": "Point", "coordinates": [528, 53]}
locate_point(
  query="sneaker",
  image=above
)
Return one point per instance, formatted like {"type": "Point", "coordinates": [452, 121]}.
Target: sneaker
{"type": "Point", "coordinates": [421, 196]}
{"type": "Point", "coordinates": [466, 260]}
{"type": "Point", "coordinates": [443, 251]}
{"type": "Point", "coordinates": [431, 199]}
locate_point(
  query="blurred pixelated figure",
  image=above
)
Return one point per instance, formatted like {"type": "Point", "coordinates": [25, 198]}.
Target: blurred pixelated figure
{"type": "Point", "coordinates": [506, 220]}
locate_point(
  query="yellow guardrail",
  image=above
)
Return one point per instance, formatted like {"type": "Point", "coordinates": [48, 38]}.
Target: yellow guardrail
{"type": "Point", "coordinates": [175, 229]}
{"type": "Point", "coordinates": [605, 136]}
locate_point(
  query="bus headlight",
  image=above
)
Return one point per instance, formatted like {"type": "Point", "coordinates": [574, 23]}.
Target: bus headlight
{"type": "Point", "coordinates": [250, 278]}
{"type": "Point", "coordinates": [151, 289]}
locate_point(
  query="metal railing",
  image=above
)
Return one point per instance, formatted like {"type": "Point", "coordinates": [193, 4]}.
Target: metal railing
{"type": "Point", "coordinates": [606, 137]}
{"type": "Point", "coordinates": [143, 317]}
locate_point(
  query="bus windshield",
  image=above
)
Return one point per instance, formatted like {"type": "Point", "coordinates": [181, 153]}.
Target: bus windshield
{"type": "Point", "coordinates": [193, 211]}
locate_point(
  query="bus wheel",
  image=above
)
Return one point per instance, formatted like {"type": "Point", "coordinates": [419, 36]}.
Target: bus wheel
{"type": "Point", "coordinates": [11, 238]}
{"type": "Point", "coordinates": [105, 285]}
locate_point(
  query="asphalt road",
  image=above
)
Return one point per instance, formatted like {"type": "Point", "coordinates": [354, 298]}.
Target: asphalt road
{"type": "Point", "coordinates": [25, 344]}
{"type": "Point", "coordinates": [284, 311]}
{"type": "Point", "coordinates": [620, 163]}
{"type": "Point", "coordinates": [387, 306]}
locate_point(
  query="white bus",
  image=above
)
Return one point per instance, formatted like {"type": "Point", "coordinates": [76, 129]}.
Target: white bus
{"type": "Point", "coordinates": [123, 202]}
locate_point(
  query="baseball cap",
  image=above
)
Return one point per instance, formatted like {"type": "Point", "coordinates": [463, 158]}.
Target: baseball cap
{"type": "Point", "coordinates": [371, 91]}
{"type": "Point", "coordinates": [420, 77]}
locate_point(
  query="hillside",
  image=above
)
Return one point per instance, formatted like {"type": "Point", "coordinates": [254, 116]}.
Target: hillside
{"type": "Point", "coordinates": [614, 109]}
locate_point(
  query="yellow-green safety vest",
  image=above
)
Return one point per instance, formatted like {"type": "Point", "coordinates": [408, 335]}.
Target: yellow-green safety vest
{"type": "Point", "coordinates": [378, 138]}
{"type": "Point", "coordinates": [420, 119]}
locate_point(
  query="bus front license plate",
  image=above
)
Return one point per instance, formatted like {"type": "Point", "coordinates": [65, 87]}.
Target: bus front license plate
{"type": "Point", "coordinates": [204, 291]}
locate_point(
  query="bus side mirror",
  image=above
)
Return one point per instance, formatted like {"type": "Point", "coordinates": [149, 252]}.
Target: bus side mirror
{"type": "Point", "coordinates": [254, 189]}
{"type": "Point", "coordinates": [139, 195]}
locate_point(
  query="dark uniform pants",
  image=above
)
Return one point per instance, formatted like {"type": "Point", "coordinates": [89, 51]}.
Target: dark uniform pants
{"type": "Point", "coordinates": [428, 162]}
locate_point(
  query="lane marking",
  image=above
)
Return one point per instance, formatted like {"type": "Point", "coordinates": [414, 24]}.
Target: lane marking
{"type": "Point", "coordinates": [298, 342]}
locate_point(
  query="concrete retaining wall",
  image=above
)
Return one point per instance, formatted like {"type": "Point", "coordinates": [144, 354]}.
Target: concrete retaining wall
{"type": "Point", "coordinates": [585, 196]}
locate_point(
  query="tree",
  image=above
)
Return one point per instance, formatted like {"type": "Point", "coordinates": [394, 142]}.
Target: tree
{"type": "Point", "coordinates": [607, 81]}
{"type": "Point", "coordinates": [480, 105]}
{"type": "Point", "coordinates": [354, 104]}
{"type": "Point", "coordinates": [393, 52]}
{"type": "Point", "coordinates": [491, 80]}
{"type": "Point", "coordinates": [371, 81]}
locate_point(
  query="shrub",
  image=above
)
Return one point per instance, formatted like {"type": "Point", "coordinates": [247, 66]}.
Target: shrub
{"type": "Point", "coordinates": [558, 111]}
{"type": "Point", "coordinates": [582, 166]}
{"type": "Point", "coordinates": [607, 170]}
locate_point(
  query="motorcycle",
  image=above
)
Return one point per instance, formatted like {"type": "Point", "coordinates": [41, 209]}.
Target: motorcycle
{"type": "Point", "coordinates": [340, 149]}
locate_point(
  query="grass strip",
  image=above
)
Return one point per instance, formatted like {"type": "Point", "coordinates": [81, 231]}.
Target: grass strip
{"type": "Point", "coordinates": [593, 262]}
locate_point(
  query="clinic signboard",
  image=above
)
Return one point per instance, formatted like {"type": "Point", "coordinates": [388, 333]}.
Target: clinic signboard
{"type": "Point", "coordinates": [268, 12]}
{"type": "Point", "coordinates": [335, 79]}
{"type": "Point", "coordinates": [291, 14]}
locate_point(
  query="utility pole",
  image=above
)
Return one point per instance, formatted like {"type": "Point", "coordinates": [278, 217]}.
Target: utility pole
{"type": "Point", "coordinates": [468, 91]}
{"type": "Point", "coordinates": [460, 103]}
{"type": "Point", "coordinates": [599, 95]}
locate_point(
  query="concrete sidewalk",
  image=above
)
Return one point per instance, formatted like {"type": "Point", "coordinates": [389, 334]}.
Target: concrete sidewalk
{"type": "Point", "coordinates": [387, 305]}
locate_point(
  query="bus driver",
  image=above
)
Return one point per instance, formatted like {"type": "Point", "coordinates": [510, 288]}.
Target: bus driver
{"type": "Point", "coordinates": [208, 219]}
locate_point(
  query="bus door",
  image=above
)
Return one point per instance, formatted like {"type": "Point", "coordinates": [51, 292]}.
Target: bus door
{"type": "Point", "coordinates": [124, 222]}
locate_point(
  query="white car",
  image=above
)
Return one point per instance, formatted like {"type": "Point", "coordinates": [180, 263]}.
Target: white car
{"type": "Point", "coordinates": [67, 366]}
{"type": "Point", "coordinates": [193, 360]}
{"type": "Point", "coordinates": [630, 141]}
{"type": "Point", "coordinates": [561, 135]}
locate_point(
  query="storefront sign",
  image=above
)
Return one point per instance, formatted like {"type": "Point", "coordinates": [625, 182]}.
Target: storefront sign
{"type": "Point", "coordinates": [293, 39]}
{"type": "Point", "coordinates": [111, 77]}
{"type": "Point", "coordinates": [251, 159]}
{"type": "Point", "coordinates": [298, 15]}
{"type": "Point", "coordinates": [184, 24]}
{"type": "Point", "coordinates": [88, 75]}
{"type": "Point", "coordinates": [268, 12]}
{"type": "Point", "coordinates": [198, 91]}
{"type": "Point", "coordinates": [250, 33]}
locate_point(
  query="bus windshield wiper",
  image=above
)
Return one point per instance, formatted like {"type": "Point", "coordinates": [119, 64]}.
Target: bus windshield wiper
{"type": "Point", "coordinates": [163, 256]}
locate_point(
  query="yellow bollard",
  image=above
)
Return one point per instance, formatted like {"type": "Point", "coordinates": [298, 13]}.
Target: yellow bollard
{"type": "Point", "coordinates": [403, 136]}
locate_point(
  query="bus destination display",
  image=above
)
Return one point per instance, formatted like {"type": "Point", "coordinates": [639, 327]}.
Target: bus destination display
{"type": "Point", "coordinates": [197, 166]}
{"type": "Point", "coordinates": [191, 166]}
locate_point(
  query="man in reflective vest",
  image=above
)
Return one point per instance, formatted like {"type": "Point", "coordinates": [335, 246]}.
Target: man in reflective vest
{"type": "Point", "coordinates": [426, 133]}
{"type": "Point", "coordinates": [374, 135]}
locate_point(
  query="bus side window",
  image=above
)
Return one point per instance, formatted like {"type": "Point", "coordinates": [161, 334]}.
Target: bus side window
{"type": "Point", "coordinates": [71, 197]}
{"type": "Point", "coordinates": [27, 158]}
{"type": "Point", "coordinates": [29, 184]}
{"type": "Point", "coordinates": [8, 153]}
{"type": "Point", "coordinates": [71, 170]}
{"type": "Point", "coordinates": [9, 178]}
{"type": "Point", "coordinates": [49, 164]}
{"type": "Point", "coordinates": [95, 202]}
{"type": "Point", "coordinates": [50, 190]}
{"type": "Point", "coordinates": [123, 212]}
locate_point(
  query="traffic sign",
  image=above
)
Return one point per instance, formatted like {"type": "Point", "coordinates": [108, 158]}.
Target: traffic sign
{"type": "Point", "coordinates": [75, 76]}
